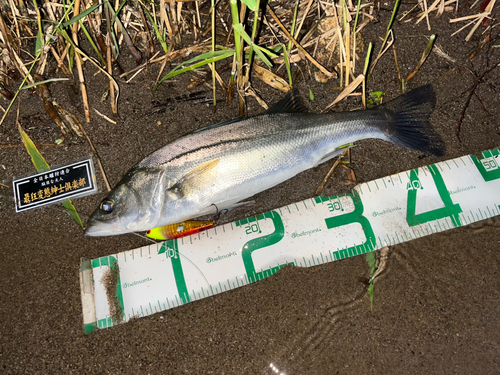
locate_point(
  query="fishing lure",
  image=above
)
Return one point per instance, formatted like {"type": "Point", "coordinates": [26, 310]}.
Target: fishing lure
{"type": "Point", "coordinates": [186, 228]}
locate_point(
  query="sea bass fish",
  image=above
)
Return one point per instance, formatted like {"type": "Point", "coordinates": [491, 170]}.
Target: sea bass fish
{"type": "Point", "coordinates": [213, 168]}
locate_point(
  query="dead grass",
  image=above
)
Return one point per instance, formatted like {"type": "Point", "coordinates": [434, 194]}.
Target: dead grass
{"type": "Point", "coordinates": [255, 41]}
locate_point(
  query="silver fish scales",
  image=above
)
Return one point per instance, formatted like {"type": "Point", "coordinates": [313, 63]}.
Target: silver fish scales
{"type": "Point", "coordinates": [220, 165]}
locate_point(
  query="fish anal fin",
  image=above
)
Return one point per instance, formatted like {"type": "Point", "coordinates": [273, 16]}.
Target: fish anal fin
{"type": "Point", "coordinates": [338, 151]}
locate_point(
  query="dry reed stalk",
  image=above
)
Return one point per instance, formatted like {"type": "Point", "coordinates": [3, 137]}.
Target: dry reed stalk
{"type": "Point", "coordinates": [387, 46]}
{"type": "Point", "coordinates": [396, 62]}
{"type": "Point", "coordinates": [15, 13]}
{"type": "Point", "coordinates": [175, 25]}
{"type": "Point", "coordinates": [440, 10]}
{"type": "Point", "coordinates": [346, 92]}
{"type": "Point", "coordinates": [432, 8]}
{"type": "Point", "coordinates": [60, 62]}
{"type": "Point", "coordinates": [110, 72]}
{"type": "Point", "coordinates": [79, 67]}
{"type": "Point", "coordinates": [148, 34]}
{"type": "Point", "coordinates": [297, 44]}
{"type": "Point", "coordinates": [70, 118]}
{"type": "Point", "coordinates": [303, 19]}
{"type": "Point", "coordinates": [271, 79]}
{"type": "Point", "coordinates": [427, 15]}
{"type": "Point", "coordinates": [348, 55]}
{"type": "Point", "coordinates": [219, 79]}
{"type": "Point", "coordinates": [6, 38]}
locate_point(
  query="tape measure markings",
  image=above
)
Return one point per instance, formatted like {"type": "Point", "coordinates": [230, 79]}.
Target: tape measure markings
{"type": "Point", "coordinates": [375, 214]}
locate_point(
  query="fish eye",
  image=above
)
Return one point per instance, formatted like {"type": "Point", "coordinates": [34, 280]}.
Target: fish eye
{"type": "Point", "coordinates": [107, 205]}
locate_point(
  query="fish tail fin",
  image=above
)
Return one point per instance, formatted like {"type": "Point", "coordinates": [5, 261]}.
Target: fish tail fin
{"type": "Point", "coordinates": [409, 125]}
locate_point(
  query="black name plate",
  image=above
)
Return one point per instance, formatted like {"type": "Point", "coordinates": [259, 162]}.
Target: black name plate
{"type": "Point", "coordinates": [69, 181]}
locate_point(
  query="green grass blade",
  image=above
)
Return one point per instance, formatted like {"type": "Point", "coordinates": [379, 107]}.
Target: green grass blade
{"type": "Point", "coordinates": [370, 290]}
{"type": "Point", "coordinates": [118, 12]}
{"type": "Point", "coordinates": [85, 13]}
{"type": "Point", "coordinates": [42, 82]}
{"type": "Point", "coordinates": [287, 64]}
{"type": "Point", "coordinates": [258, 49]}
{"type": "Point", "coordinates": [157, 31]}
{"type": "Point", "coordinates": [371, 259]}
{"type": "Point", "coordinates": [367, 59]}
{"type": "Point", "coordinates": [311, 95]}
{"type": "Point", "coordinates": [251, 4]}
{"type": "Point", "coordinates": [68, 205]}
{"type": "Point", "coordinates": [393, 16]}
{"type": "Point", "coordinates": [37, 158]}
{"type": "Point", "coordinates": [203, 59]}
{"type": "Point", "coordinates": [236, 27]}
{"type": "Point", "coordinates": [42, 166]}
{"type": "Point", "coordinates": [38, 44]}
{"type": "Point", "coordinates": [89, 38]}
{"type": "Point", "coordinates": [356, 19]}
{"type": "Point", "coordinates": [294, 20]}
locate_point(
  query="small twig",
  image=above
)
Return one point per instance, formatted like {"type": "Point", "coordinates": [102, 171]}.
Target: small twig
{"type": "Point", "coordinates": [477, 81]}
{"type": "Point", "coordinates": [143, 65]}
{"type": "Point", "coordinates": [320, 188]}
{"type": "Point", "coordinates": [397, 66]}
{"type": "Point", "coordinates": [105, 117]}
{"type": "Point", "coordinates": [96, 156]}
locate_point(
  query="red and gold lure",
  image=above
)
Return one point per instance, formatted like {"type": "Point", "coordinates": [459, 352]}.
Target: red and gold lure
{"type": "Point", "coordinates": [186, 228]}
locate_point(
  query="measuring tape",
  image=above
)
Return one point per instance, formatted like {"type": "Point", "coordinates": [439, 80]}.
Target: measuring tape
{"type": "Point", "coordinates": [379, 213]}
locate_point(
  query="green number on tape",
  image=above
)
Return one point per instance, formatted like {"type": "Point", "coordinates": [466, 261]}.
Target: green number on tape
{"type": "Point", "coordinates": [261, 242]}
{"type": "Point", "coordinates": [450, 209]}
{"type": "Point", "coordinates": [488, 167]}
{"type": "Point", "coordinates": [355, 216]}
{"type": "Point", "coordinates": [171, 249]}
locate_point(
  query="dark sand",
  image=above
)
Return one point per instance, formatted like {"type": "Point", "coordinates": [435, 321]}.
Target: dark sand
{"type": "Point", "coordinates": [436, 305]}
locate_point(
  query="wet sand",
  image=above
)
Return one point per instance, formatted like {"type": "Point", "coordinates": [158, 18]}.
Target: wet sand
{"type": "Point", "coordinates": [436, 304]}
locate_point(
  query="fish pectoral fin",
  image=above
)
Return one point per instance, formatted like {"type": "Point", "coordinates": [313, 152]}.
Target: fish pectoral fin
{"type": "Point", "coordinates": [195, 180]}
{"type": "Point", "coordinates": [223, 207]}
{"type": "Point", "coordinates": [239, 204]}
{"type": "Point", "coordinates": [291, 103]}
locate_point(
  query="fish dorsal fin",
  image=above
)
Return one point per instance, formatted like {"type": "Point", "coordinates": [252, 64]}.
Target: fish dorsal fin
{"type": "Point", "coordinates": [195, 180]}
{"type": "Point", "coordinates": [291, 103]}
{"type": "Point", "coordinates": [226, 122]}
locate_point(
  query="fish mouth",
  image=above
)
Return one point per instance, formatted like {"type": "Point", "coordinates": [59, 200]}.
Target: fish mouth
{"type": "Point", "coordinates": [95, 231]}
{"type": "Point", "coordinates": [99, 230]}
